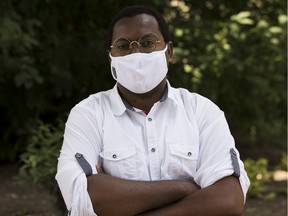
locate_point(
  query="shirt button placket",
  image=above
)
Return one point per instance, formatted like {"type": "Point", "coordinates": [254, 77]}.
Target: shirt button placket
{"type": "Point", "coordinates": [152, 146]}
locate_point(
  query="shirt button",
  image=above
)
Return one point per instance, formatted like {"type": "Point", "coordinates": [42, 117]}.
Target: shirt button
{"type": "Point", "coordinates": [114, 156]}
{"type": "Point", "coordinates": [78, 155]}
{"type": "Point", "coordinates": [189, 154]}
{"type": "Point", "coordinates": [149, 119]}
{"type": "Point", "coordinates": [153, 150]}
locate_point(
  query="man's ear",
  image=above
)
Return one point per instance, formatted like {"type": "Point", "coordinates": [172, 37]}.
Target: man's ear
{"type": "Point", "coordinates": [169, 51]}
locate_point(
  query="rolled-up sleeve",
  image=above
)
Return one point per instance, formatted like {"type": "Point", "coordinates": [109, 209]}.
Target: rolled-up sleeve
{"type": "Point", "coordinates": [216, 141]}
{"type": "Point", "coordinates": [80, 136]}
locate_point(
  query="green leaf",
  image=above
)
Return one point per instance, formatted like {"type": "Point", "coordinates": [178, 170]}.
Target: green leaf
{"type": "Point", "coordinates": [243, 18]}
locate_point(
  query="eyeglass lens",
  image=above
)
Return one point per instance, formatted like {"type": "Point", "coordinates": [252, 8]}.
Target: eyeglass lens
{"type": "Point", "coordinates": [146, 44]}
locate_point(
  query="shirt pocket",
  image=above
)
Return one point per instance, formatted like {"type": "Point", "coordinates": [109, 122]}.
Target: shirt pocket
{"type": "Point", "coordinates": [183, 160]}
{"type": "Point", "coordinates": [120, 161]}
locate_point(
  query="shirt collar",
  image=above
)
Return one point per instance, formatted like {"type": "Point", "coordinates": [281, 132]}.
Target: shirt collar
{"type": "Point", "coordinates": [116, 103]}
{"type": "Point", "coordinates": [119, 105]}
{"type": "Point", "coordinates": [165, 95]}
{"type": "Point", "coordinates": [171, 94]}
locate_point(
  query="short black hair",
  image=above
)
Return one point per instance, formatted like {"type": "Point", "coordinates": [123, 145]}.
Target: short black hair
{"type": "Point", "coordinates": [136, 10]}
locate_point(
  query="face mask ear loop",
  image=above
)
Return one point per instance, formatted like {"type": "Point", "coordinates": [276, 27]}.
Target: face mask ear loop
{"type": "Point", "coordinates": [165, 49]}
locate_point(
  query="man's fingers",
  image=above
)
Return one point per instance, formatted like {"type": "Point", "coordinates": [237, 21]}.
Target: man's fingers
{"type": "Point", "coordinates": [99, 169]}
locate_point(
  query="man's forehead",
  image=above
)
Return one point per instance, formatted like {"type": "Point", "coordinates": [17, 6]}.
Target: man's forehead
{"type": "Point", "coordinates": [139, 23]}
{"type": "Point", "coordinates": [143, 19]}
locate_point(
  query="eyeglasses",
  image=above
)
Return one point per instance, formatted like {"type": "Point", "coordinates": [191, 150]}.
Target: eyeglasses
{"type": "Point", "coordinates": [123, 46]}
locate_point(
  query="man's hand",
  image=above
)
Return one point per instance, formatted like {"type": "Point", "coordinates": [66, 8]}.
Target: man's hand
{"type": "Point", "coordinates": [224, 198]}
{"type": "Point", "coordinates": [113, 196]}
{"type": "Point", "coordinates": [100, 169]}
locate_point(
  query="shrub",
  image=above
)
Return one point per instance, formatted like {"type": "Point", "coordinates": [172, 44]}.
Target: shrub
{"type": "Point", "coordinates": [39, 162]}
{"type": "Point", "coordinates": [283, 165]}
{"type": "Point", "coordinates": [259, 175]}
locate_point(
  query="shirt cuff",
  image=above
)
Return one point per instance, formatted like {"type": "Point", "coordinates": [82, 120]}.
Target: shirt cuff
{"type": "Point", "coordinates": [81, 202]}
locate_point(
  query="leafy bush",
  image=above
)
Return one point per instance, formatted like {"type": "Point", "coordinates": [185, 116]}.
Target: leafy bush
{"type": "Point", "coordinates": [283, 165]}
{"type": "Point", "coordinates": [236, 56]}
{"type": "Point", "coordinates": [40, 159]}
{"type": "Point", "coordinates": [259, 175]}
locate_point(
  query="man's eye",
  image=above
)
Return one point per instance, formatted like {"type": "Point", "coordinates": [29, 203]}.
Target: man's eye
{"type": "Point", "coordinates": [147, 43]}
{"type": "Point", "coordinates": [123, 46]}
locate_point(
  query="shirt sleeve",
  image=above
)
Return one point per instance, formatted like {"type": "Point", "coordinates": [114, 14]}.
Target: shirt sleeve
{"type": "Point", "coordinates": [81, 201]}
{"type": "Point", "coordinates": [80, 136]}
{"type": "Point", "coordinates": [216, 141]}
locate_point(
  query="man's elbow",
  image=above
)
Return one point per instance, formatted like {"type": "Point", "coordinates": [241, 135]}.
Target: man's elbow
{"type": "Point", "coordinates": [235, 206]}
{"type": "Point", "coordinates": [235, 199]}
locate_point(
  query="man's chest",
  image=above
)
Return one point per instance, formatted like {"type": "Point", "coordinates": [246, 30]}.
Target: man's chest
{"type": "Point", "coordinates": [160, 145]}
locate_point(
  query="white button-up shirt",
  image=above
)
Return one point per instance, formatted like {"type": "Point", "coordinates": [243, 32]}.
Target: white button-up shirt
{"type": "Point", "coordinates": [184, 136]}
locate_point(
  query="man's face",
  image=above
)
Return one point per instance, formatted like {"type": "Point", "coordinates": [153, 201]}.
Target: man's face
{"type": "Point", "coordinates": [138, 26]}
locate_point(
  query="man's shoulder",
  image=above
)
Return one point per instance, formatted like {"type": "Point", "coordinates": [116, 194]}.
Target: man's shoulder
{"type": "Point", "coordinates": [193, 101]}
{"type": "Point", "coordinates": [188, 96]}
{"type": "Point", "coordinates": [94, 100]}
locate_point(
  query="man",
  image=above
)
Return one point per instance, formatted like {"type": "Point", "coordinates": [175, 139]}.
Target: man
{"type": "Point", "coordinates": [144, 147]}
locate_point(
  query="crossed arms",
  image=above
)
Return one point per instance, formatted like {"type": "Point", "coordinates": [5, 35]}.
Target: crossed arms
{"type": "Point", "coordinates": [114, 196]}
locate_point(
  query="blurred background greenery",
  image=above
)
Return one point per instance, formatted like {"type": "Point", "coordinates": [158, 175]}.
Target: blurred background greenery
{"type": "Point", "coordinates": [52, 55]}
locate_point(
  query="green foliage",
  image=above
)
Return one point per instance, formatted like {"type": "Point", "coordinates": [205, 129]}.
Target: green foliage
{"type": "Point", "coordinates": [236, 56]}
{"type": "Point", "coordinates": [18, 75]}
{"type": "Point", "coordinates": [283, 165]}
{"type": "Point", "coordinates": [40, 159]}
{"type": "Point", "coordinates": [259, 175]}
{"type": "Point", "coordinates": [52, 55]}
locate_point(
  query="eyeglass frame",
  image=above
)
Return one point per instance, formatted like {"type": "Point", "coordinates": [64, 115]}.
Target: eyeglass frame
{"type": "Point", "coordinates": [137, 42]}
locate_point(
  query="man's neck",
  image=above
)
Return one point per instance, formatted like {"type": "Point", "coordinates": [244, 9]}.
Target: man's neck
{"type": "Point", "coordinates": [143, 101]}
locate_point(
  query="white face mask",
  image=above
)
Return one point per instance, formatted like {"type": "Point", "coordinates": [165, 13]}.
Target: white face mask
{"type": "Point", "coordinates": [140, 72]}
